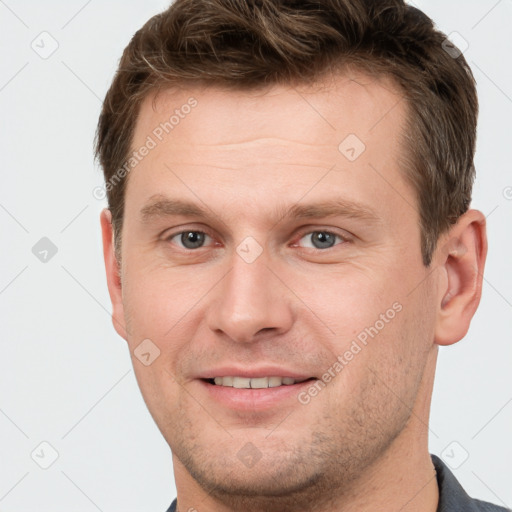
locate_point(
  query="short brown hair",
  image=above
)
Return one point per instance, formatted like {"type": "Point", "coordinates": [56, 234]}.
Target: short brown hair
{"type": "Point", "coordinates": [249, 44]}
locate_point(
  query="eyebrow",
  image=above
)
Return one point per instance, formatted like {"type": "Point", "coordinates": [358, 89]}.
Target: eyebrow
{"type": "Point", "coordinates": [160, 207]}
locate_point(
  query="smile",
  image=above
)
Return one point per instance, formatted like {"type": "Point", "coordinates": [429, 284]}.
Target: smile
{"type": "Point", "coordinates": [254, 383]}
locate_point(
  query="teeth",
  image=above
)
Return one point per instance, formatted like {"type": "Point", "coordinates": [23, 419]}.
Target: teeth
{"type": "Point", "coordinates": [274, 382]}
{"type": "Point", "coordinates": [241, 382]}
{"type": "Point", "coordinates": [255, 383]}
{"type": "Point", "coordinates": [260, 382]}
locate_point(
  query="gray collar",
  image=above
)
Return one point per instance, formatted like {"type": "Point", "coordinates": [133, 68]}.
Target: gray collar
{"type": "Point", "coordinates": [452, 497]}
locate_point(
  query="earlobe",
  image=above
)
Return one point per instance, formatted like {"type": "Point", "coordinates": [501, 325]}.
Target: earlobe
{"type": "Point", "coordinates": [461, 264]}
{"type": "Point", "coordinates": [113, 273]}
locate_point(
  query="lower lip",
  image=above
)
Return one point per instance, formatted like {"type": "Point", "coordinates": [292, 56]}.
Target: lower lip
{"type": "Point", "coordinates": [255, 399]}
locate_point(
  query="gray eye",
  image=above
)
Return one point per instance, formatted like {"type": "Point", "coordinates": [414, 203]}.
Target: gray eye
{"type": "Point", "coordinates": [192, 239]}
{"type": "Point", "coordinates": [321, 239]}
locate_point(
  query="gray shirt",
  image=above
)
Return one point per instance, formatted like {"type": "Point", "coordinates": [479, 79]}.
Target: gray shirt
{"type": "Point", "coordinates": [452, 497]}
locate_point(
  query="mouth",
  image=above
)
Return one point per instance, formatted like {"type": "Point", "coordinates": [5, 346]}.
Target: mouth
{"type": "Point", "coordinates": [254, 382]}
{"type": "Point", "coordinates": [255, 394]}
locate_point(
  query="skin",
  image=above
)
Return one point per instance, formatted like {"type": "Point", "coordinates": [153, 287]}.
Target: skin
{"type": "Point", "coordinates": [362, 442]}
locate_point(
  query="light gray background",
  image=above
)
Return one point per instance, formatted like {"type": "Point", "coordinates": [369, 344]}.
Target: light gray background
{"type": "Point", "coordinates": [66, 377]}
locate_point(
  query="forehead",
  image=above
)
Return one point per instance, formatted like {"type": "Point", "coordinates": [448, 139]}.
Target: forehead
{"type": "Point", "coordinates": [284, 137]}
{"type": "Point", "coordinates": [353, 102]}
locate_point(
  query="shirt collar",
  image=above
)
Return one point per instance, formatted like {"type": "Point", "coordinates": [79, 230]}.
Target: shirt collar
{"type": "Point", "coordinates": [452, 497]}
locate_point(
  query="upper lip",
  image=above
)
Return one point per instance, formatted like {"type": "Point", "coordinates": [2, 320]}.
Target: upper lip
{"type": "Point", "coordinates": [252, 373]}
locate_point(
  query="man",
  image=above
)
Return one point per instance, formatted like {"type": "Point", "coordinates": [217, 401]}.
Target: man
{"type": "Point", "coordinates": [288, 241]}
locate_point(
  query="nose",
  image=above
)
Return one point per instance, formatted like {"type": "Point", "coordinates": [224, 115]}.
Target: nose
{"type": "Point", "coordinates": [251, 301]}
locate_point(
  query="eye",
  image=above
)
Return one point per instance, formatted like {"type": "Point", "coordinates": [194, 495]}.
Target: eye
{"type": "Point", "coordinates": [190, 239]}
{"type": "Point", "coordinates": [321, 239]}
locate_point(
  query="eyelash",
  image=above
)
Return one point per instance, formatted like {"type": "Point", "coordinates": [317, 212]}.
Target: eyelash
{"type": "Point", "coordinates": [300, 236]}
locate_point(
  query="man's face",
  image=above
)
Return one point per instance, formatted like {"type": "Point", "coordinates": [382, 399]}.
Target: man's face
{"type": "Point", "coordinates": [304, 247]}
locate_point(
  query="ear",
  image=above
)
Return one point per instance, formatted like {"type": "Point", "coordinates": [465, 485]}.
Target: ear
{"type": "Point", "coordinates": [461, 260]}
{"type": "Point", "coordinates": [113, 273]}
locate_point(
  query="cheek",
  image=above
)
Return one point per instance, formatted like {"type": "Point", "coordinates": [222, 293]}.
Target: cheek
{"type": "Point", "coordinates": [155, 301]}
{"type": "Point", "coordinates": [380, 329]}
{"type": "Point", "coordinates": [163, 307]}
{"type": "Point", "coordinates": [352, 301]}
{"type": "Point", "coordinates": [401, 348]}
{"type": "Point", "coordinates": [160, 391]}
